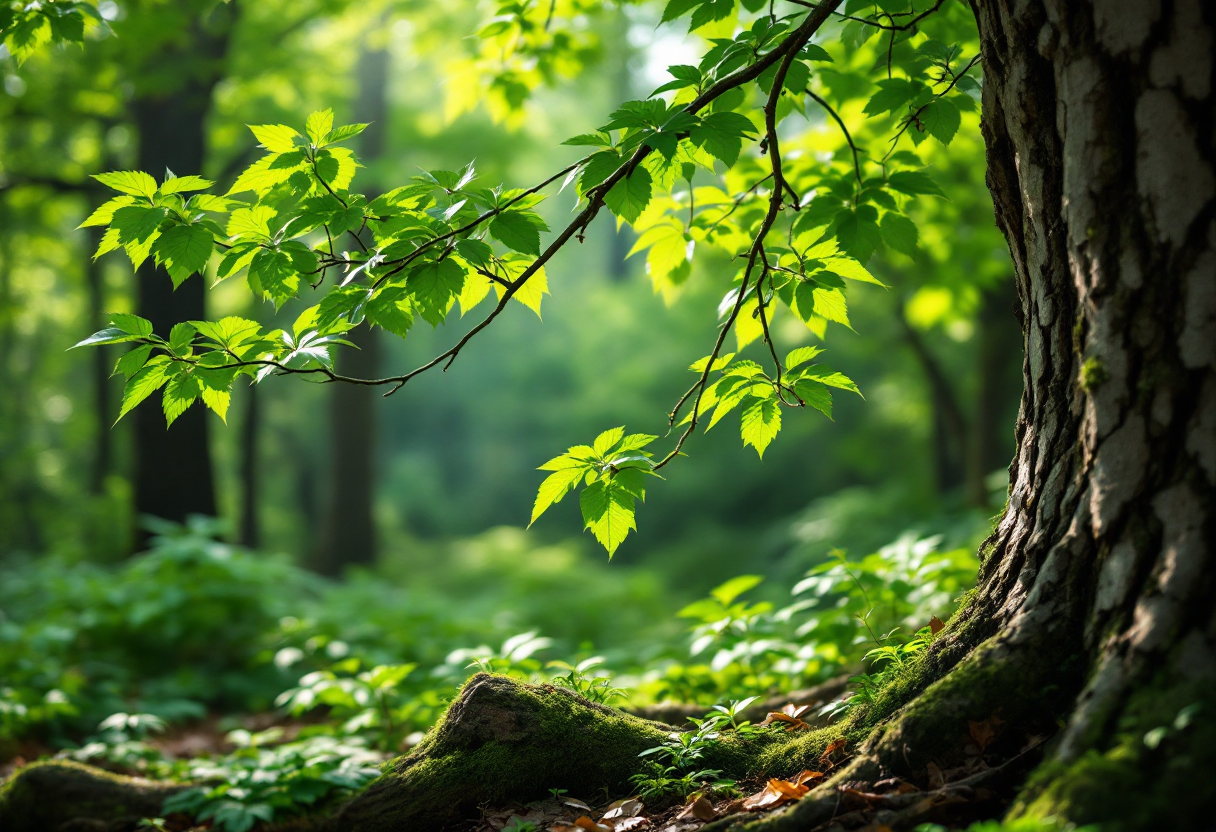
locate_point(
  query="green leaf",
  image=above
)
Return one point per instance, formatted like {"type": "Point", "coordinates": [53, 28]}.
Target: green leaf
{"type": "Point", "coordinates": [143, 384]}
{"type": "Point", "coordinates": [184, 250]}
{"type": "Point", "coordinates": [133, 361]}
{"type": "Point", "coordinates": [184, 184]}
{"type": "Point", "coordinates": [630, 196]}
{"type": "Point", "coordinates": [858, 233]}
{"type": "Point", "coordinates": [181, 392]}
{"type": "Point", "coordinates": [319, 124]}
{"type": "Point", "coordinates": [678, 8]}
{"type": "Point", "coordinates": [133, 182]}
{"type": "Point", "coordinates": [598, 168]}
{"type": "Point", "coordinates": [831, 378]}
{"type": "Point", "coordinates": [760, 423]}
{"type": "Point", "coordinates": [123, 327]}
{"type": "Point", "coordinates": [251, 222]}
{"type": "Point", "coordinates": [721, 135]}
{"type": "Point", "coordinates": [513, 229]}
{"type": "Point", "coordinates": [391, 310]}
{"type": "Point", "coordinates": [830, 304]}
{"type": "Point", "coordinates": [815, 395]}
{"type": "Point", "coordinates": [105, 212]}
{"type": "Point", "coordinates": [698, 366]}
{"type": "Point", "coordinates": [851, 269]}
{"type": "Point", "coordinates": [800, 356]}
{"type": "Point", "coordinates": [941, 120]}
{"type": "Point", "coordinates": [608, 510]}
{"type": "Point", "coordinates": [341, 134]}
{"type": "Point", "coordinates": [899, 233]}
{"type": "Point", "coordinates": [554, 488]}
{"type": "Point", "coordinates": [732, 589]}
{"type": "Point", "coordinates": [275, 138]}
{"type": "Point", "coordinates": [434, 287]}
{"type": "Point", "coordinates": [589, 140]}
{"type": "Point", "coordinates": [181, 336]}
{"type": "Point", "coordinates": [913, 182]}
{"type": "Point", "coordinates": [604, 442]}
{"type": "Point", "coordinates": [893, 95]}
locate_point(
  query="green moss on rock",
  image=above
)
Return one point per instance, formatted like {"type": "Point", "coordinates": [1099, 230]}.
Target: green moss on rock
{"type": "Point", "coordinates": [501, 741]}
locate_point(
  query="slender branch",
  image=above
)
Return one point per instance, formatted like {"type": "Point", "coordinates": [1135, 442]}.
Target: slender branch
{"type": "Point", "coordinates": [839, 121]}
{"type": "Point", "coordinates": [791, 46]}
{"type": "Point", "coordinates": [915, 117]}
{"type": "Point", "coordinates": [886, 28]}
{"type": "Point", "coordinates": [469, 226]}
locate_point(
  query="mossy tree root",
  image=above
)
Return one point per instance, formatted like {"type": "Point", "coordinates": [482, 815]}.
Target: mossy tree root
{"type": "Point", "coordinates": [61, 796]}
{"type": "Point", "coordinates": [503, 741]}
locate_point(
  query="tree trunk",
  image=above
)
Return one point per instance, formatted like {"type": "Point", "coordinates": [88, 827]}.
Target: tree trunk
{"type": "Point", "coordinates": [103, 445]}
{"type": "Point", "coordinates": [173, 471]}
{"type": "Point", "coordinates": [250, 529]}
{"type": "Point", "coordinates": [348, 532]}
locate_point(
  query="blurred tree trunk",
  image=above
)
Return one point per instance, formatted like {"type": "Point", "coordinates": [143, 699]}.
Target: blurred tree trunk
{"type": "Point", "coordinates": [998, 335]}
{"type": "Point", "coordinates": [103, 440]}
{"type": "Point", "coordinates": [950, 427]}
{"type": "Point", "coordinates": [173, 469]}
{"type": "Point", "coordinates": [249, 531]}
{"type": "Point", "coordinates": [348, 530]}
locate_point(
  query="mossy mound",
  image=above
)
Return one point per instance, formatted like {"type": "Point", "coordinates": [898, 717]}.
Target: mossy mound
{"type": "Point", "coordinates": [502, 741]}
{"type": "Point", "coordinates": [60, 795]}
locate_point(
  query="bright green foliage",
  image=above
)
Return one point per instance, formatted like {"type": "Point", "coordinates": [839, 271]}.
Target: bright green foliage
{"type": "Point", "coordinates": [614, 469]}
{"type": "Point", "coordinates": [258, 783]}
{"type": "Point", "coordinates": [698, 165]}
{"type": "Point", "coordinates": [26, 27]}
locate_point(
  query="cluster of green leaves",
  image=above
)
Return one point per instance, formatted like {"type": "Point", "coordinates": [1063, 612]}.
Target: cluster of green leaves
{"type": "Point", "coordinates": [27, 27]}
{"type": "Point", "coordinates": [262, 781]}
{"type": "Point", "coordinates": [613, 470]}
{"type": "Point", "coordinates": [802, 224]}
{"type": "Point", "coordinates": [672, 767]}
{"type": "Point", "coordinates": [427, 246]}
{"type": "Point", "coordinates": [372, 704]}
{"type": "Point", "coordinates": [586, 679]}
{"type": "Point", "coordinates": [847, 615]}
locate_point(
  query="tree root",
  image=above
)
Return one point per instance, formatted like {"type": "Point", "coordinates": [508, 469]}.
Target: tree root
{"type": "Point", "coordinates": [503, 741]}
{"type": "Point", "coordinates": [61, 796]}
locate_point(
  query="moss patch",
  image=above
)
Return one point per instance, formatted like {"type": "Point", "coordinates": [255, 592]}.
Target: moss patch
{"type": "Point", "coordinates": [1155, 772]}
{"type": "Point", "coordinates": [45, 795]}
{"type": "Point", "coordinates": [502, 741]}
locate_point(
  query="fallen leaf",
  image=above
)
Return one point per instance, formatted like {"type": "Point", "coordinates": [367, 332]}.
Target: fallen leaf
{"type": "Point", "coordinates": [936, 780]}
{"type": "Point", "coordinates": [701, 809]}
{"type": "Point", "coordinates": [591, 826]}
{"type": "Point", "coordinates": [733, 806]}
{"type": "Point", "coordinates": [790, 714]}
{"type": "Point", "coordinates": [984, 732]}
{"type": "Point", "coordinates": [834, 746]}
{"type": "Point", "coordinates": [628, 808]}
{"type": "Point", "coordinates": [630, 823]}
{"type": "Point", "coordinates": [777, 792]}
{"type": "Point", "coordinates": [936, 625]}
{"type": "Point", "coordinates": [575, 803]}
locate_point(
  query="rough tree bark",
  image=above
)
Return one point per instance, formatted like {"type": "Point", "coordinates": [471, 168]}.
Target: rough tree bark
{"type": "Point", "coordinates": [1092, 632]}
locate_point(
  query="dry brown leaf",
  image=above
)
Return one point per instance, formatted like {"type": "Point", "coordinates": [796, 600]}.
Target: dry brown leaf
{"type": "Point", "coordinates": [625, 824]}
{"type": "Point", "coordinates": [627, 808]}
{"type": "Point", "coordinates": [591, 826]}
{"type": "Point", "coordinates": [984, 732]}
{"type": "Point", "coordinates": [701, 809]}
{"type": "Point", "coordinates": [575, 803]}
{"type": "Point", "coordinates": [936, 780]}
{"type": "Point", "coordinates": [936, 625]}
{"type": "Point", "coordinates": [775, 793]}
{"type": "Point", "coordinates": [790, 714]}
{"type": "Point", "coordinates": [834, 746]}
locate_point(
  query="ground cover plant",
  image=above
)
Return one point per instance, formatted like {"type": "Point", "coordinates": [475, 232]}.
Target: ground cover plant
{"type": "Point", "coordinates": [1069, 686]}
